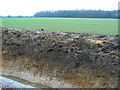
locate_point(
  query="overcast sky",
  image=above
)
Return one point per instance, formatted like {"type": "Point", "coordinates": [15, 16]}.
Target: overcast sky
{"type": "Point", "coordinates": [29, 7]}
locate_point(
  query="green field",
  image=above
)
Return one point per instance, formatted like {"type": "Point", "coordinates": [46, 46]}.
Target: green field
{"type": "Point", "coordinates": [81, 25]}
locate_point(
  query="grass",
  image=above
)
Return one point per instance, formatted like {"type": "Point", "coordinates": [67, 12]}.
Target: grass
{"type": "Point", "coordinates": [79, 25]}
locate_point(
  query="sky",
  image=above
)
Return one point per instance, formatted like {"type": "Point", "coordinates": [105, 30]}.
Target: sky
{"type": "Point", "coordinates": [30, 7]}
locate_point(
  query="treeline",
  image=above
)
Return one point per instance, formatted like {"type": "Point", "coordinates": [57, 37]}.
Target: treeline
{"type": "Point", "coordinates": [78, 14]}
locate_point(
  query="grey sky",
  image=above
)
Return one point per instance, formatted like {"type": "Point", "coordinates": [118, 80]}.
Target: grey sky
{"type": "Point", "coordinates": [29, 7]}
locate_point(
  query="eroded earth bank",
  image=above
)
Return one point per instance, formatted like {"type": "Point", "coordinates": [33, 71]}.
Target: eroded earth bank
{"type": "Point", "coordinates": [61, 59]}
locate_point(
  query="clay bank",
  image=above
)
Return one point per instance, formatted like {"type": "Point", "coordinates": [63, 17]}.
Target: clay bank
{"type": "Point", "coordinates": [61, 59]}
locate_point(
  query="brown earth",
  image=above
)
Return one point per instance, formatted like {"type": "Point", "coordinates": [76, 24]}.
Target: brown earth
{"type": "Point", "coordinates": [61, 59]}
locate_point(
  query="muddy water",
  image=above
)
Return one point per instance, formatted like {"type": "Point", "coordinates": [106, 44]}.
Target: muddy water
{"type": "Point", "coordinates": [8, 81]}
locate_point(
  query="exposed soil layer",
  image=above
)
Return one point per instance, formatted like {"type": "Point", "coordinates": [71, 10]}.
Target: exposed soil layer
{"type": "Point", "coordinates": [61, 59]}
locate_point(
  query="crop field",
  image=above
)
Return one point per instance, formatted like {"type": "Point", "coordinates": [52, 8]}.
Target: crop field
{"type": "Point", "coordinates": [79, 25]}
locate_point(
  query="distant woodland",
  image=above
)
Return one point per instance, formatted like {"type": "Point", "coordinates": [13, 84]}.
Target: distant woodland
{"type": "Point", "coordinates": [73, 14]}
{"type": "Point", "coordinates": [78, 14]}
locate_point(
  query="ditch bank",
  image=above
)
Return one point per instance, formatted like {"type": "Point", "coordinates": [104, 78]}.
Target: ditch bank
{"type": "Point", "coordinates": [61, 59]}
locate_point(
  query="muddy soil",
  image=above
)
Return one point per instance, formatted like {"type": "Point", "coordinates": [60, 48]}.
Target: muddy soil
{"type": "Point", "coordinates": [61, 59]}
